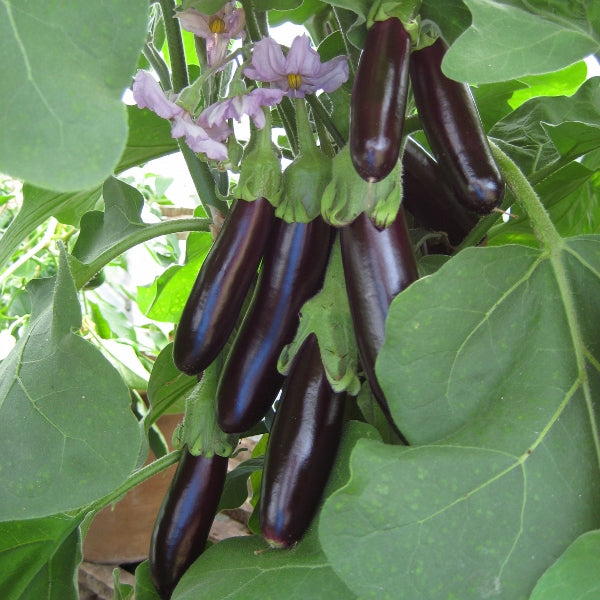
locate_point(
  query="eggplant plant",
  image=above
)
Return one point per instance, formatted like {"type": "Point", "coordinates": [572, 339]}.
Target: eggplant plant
{"type": "Point", "coordinates": [389, 280]}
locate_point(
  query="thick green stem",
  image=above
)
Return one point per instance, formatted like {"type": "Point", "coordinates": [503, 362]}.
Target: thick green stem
{"type": "Point", "coordinates": [179, 74]}
{"type": "Point", "coordinates": [321, 114]}
{"type": "Point", "coordinates": [525, 194]}
{"type": "Point", "coordinates": [252, 24]}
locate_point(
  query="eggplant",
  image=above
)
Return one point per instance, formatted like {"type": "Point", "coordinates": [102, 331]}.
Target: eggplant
{"type": "Point", "coordinates": [378, 265]}
{"type": "Point", "coordinates": [429, 198]}
{"type": "Point", "coordinates": [301, 449]}
{"type": "Point", "coordinates": [292, 272]}
{"type": "Point", "coordinates": [378, 101]}
{"type": "Point", "coordinates": [185, 517]}
{"type": "Point", "coordinates": [216, 299]}
{"type": "Point", "coordinates": [454, 131]}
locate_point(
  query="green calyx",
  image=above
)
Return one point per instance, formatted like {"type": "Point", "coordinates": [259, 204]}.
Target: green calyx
{"type": "Point", "coordinates": [260, 176]}
{"type": "Point", "coordinates": [347, 194]}
{"type": "Point", "coordinates": [200, 431]}
{"type": "Point", "coordinates": [405, 10]}
{"type": "Point", "coordinates": [305, 178]}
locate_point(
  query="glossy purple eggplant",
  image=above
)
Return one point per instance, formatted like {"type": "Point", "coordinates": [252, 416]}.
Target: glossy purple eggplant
{"type": "Point", "coordinates": [301, 450]}
{"type": "Point", "coordinates": [453, 128]}
{"type": "Point", "coordinates": [185, 518]}
{"type": "Point", "coordinates": [378, 101]}
{"type": "Point", "coordinates": [216, 299]}
{"type": "Point", "coordinates": [428, 197]}
{"type": "Point", "coordinates": [378, 265]}
{"type": "Point", "coordinates": [292, 272]}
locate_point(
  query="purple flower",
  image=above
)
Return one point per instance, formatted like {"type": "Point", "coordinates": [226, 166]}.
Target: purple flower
{"type": "Point", "coordinates": [217, 29]}
{"type": "Point", "coordinates": [243, 104]}
{"type": "Point", "coordinates": [147, 93]}
{"type": "Point", "coordinates": [299, 73]}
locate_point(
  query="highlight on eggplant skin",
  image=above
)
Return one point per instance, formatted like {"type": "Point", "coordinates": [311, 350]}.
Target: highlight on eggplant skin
{"type": "Point", "coordinates": [301, 449]}
{"type": "Point", "coordinates": [225, 277]}
{"type": "Point", "coordinates": [454, 131]}
{"type": "Point", "coordinates": [378, 101]}
{"type": "Point", "coordinates": [185, 518]}
{"type": "Point", "coordinates": [293, 270]}
{"type": "Point", "coordinates": [378, 265]}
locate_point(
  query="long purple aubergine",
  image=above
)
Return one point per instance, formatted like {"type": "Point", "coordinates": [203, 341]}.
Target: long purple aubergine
{"type": "Point", "coordinates": [301, 450]}
{"type": "Point", "coordinates": [216, 299]}
{"type": "Point", "coordinates": [378, 101]}
{"type": "Point", "coordinates": [292, 272]}
{"type": "Point", "coordinates": [378, 265]}
{"type": "Point", "coordinates": [453, 128]}
{"type": "Point", "coordinates": [185, 518]}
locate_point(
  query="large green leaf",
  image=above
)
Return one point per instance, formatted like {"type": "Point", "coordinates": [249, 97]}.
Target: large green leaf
{"type": "Point", "coordinates": [574, 576]}
{"type": "Point", "coordinates": [39, 558]}
{"type": "Point", "coordinates": [492, 365]}
{"type": "Point", "coordinates": [63, 123]}
{"type": "Point", "coordinates": [67, 433]}
{"type": "Point", "coordinates": [506, 41]}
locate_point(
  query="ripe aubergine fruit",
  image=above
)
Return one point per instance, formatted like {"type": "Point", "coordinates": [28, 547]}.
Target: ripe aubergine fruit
{"type": "Point", "coordinates": [378, 265]}
{"type": "Point", "coordinates": [378, 101]}
{"type": "Point", "coordinates": [226, 275]}
{"type": "Point", "coordinates": [292, 272]}
{"type": "Point", "coordinates": [451, 123]}
{"type": "Point", "coordinates": [301, 450]}
{"type": "Point", "coordinates": [428, 197]}
{"type": "Point", "coordinates": [185, 518]}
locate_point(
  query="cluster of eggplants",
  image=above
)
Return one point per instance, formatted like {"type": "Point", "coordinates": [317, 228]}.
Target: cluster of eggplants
{"type": "Point", "coordinates": [294, 257]}
{"type": "Point", "coordinates": [446, 109]}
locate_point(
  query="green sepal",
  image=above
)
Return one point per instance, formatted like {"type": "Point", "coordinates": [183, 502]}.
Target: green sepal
{"type": "Point", "coordinates": [327, 314]}
{"type": "Point", "coordinates": [199, 431]}
{"type": "Point", "coordinates": [305, 178]}
{"type": "Point", "coordinates": [405, 10]}
{"type": "Point", "coordinates": [260, 176]}
{"type": "Point", "coordinates": [348, 195]}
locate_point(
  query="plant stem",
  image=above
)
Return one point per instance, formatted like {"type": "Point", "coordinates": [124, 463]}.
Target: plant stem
{"type": "Point", "coordinates": [179, 74]}
{"type": "Point", "coordinates": [83, 272]}
{"type": "Point", "coordinates": [321, 113]}
{"type": "Point", "coordinates": [252, 24]}
{"type": "Point", "coordinates": [133, 480]}
{"type": "Point", "coordinates": [158, 64]}
{"type": "Point", "coordinates": [349, 49]}
{"type": "Point", "coordinates": [525, 194]}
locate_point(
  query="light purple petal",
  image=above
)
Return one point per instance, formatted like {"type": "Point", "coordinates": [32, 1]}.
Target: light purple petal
{"type": "Point", "coordinates": [197, 23]}
{"type": "Point", "coordinates": [197, 138]}
{"type": "Point", "coordinates": [331, 75]}
{"type": "Point", "coordinates": [147, 93]}
{"type": "Point", "coordinates": [268, 62]}
{"type": "Point", "coordinates": [235, 20]}
{"type": "Point", "coordinates": [302, 59]}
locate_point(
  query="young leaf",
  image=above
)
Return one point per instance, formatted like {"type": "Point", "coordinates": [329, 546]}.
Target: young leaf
{"type": "Point", "coordinates": [78, 437]}
{"type": "Point", "coordinates": [63, 122]}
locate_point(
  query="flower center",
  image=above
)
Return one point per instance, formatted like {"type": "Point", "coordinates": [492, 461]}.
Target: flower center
{"type": "Point", "coordinates": [217, 25]}
{"type": "Point", "coordinates": [294, 80]}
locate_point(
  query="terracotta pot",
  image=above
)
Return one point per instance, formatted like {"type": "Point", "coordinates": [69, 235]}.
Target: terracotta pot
{"type": "Point", "coordinates": [120, 534]}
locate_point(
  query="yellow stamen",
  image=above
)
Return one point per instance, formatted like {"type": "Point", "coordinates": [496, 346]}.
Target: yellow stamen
{"type": "Point", "coordinates": [294, 80]}
{"type": "Point", "coordinates": [217, 25]}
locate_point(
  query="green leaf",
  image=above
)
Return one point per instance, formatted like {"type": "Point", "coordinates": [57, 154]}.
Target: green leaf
{"type": "Point", "coordinates": [525, 132]}
{"type": "Point", "coordinates": [39, 558]}
{"type": "Point", "coordinates": [63, 122]}
{"type": "Point", "coordinates": [168, 386]}
{"type": "Point", "coordinates": [299, 16]}
{"type": "Point", "coordinates": [235, 492]}
{"type": "Point", "coordinates": [492, 366]}
{"type": "Point", "coordinates": [560, 83]}
{"type": "Point", "coordinates": [144, 588]}
{"type": "Point", "coordinates": [506, 42]}
{"type": "Point", "coordinates": [165, 298]}
{"type": "Point", "coordinates": [123, 591]}
{"type": "Point", "coordinates": [67, 434]}
{"type": "Point", "coordinates": [248, 569]}
{"type": "Point", "coordinates": [574, 576]}
{"type": "Point", "coordinates": [451, 16]}
{"type": "Point", "coordinates": [327, 314]}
